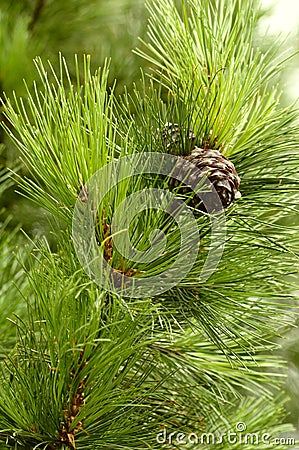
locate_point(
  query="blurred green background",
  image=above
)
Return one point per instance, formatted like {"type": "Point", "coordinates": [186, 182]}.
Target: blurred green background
{"type": "Point", "coordinates": [103, 29]}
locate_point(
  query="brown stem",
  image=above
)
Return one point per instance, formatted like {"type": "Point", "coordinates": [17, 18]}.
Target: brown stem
{"type": "Point", "coordinates": [68, 433]}
{"type": "Point", "coordinates": [40, 4]}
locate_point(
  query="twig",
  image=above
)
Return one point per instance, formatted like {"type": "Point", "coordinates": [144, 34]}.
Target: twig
{"type": "Point", "coordinates": [40, 4]}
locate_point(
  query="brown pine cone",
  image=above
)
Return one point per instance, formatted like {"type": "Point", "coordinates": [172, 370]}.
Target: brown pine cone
{"type": "Point", "coordinates": [219, 170]}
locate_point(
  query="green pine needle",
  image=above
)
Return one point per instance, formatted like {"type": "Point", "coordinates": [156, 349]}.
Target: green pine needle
{"type": "Point", "coordinates": [196, 357]}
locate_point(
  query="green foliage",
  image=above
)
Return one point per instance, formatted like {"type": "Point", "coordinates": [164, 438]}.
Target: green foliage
{"type": "Point", "coordinates": [12, 279]}
{"type": "Point", "coordinates": [67, 128]}
{"type": "Point", "coordinates": [14, 44]}
{"type": "Point", "coordinates": [96, 370]}
{"type": "Point", "coordinates": [12, 276]}
{"type": "Point", "coordinates": [205, 55]}
{"type": "Point", "coordinates": [86, 370]}
{"type": "Point", "coordinates": [38, 27]}
{"type": "Point", "coordinates": [68, 356]}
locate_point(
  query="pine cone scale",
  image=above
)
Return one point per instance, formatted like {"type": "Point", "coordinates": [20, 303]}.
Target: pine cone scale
{"type": "Point", "coordinates": [219, 170]}
{"type": "Point", "coordinates": [211, 165]}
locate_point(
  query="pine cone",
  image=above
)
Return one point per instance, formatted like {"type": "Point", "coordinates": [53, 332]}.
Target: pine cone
{"type": "Point", "coordinates": [219, 170]}
{"type": "Point", "coordinates": [172, 136]}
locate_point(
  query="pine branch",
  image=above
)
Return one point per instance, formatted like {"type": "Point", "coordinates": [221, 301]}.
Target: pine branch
{"type": "Point", "coordinates": [189, 356]}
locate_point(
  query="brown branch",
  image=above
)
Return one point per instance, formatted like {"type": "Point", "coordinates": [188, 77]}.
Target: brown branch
{"type": "Point", "coordinates": [68, 432]}
{"type": "Point", "coordinates": [40, 4]}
